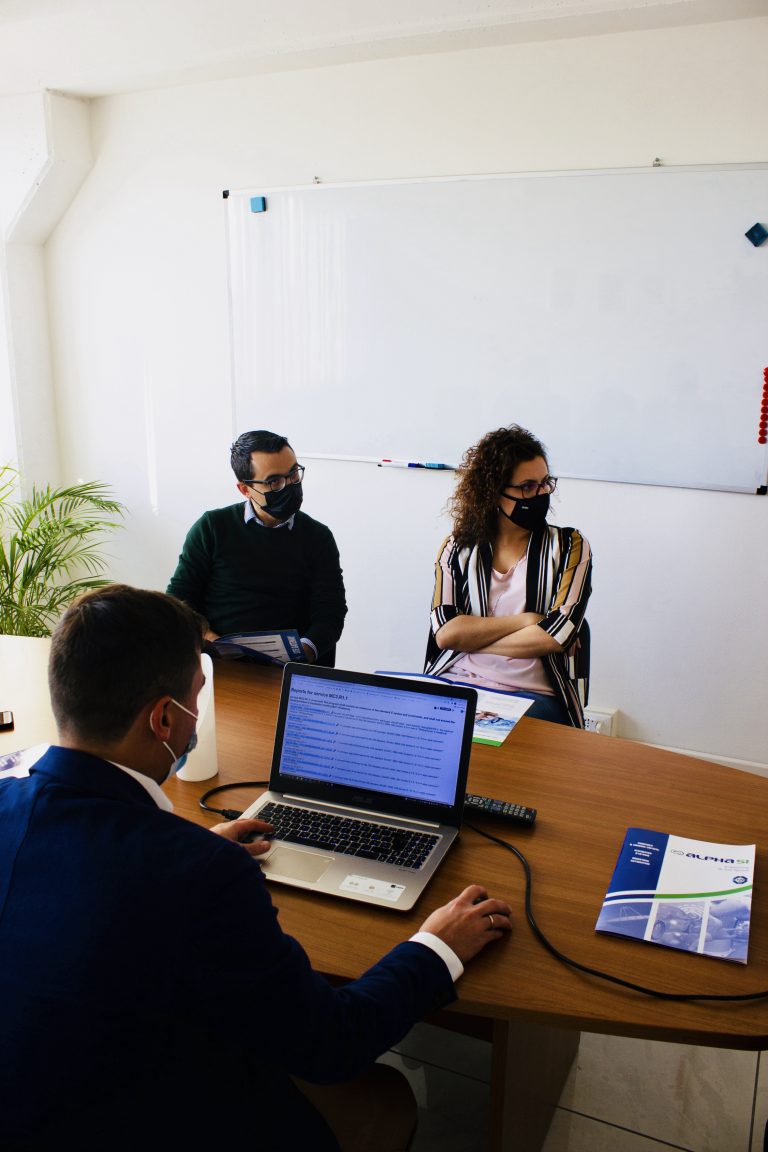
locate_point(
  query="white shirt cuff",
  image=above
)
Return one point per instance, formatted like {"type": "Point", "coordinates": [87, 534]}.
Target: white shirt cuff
{"type": "Point", "coordinates": [312, 646]}
{"type": "Point", "coordinates": [446, 954]}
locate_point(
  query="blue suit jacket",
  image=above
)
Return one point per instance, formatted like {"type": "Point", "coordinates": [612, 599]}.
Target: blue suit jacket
{"type": "Point", "coordinates": [147, 990]}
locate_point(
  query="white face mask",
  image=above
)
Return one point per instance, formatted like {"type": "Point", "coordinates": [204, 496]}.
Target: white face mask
{"type": "Point", "coordinates": [180, 761]}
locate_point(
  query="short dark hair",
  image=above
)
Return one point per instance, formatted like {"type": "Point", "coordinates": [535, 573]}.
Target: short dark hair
{"type": "Point", "coordinates": [483, 474]}
{"type": "Point", "coordinates": [247, 442]}
{"type": "Point", "coordinates": [115, 650]}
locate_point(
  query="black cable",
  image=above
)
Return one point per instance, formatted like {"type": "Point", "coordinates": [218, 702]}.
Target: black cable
{"type": "Point", "coordinates": [584, 967]}
{"type": "Point", "coordinates": [229, 813]}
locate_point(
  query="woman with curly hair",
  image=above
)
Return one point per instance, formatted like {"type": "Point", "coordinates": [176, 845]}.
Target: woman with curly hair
{"type": "Point", "coordinates": [511, 590]}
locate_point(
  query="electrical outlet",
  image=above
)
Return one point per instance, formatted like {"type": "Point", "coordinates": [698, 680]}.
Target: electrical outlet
{"type": "Point", "coordinates": [600, 720]}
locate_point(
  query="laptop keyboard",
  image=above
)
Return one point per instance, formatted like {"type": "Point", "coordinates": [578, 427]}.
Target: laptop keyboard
{"type": "Point", "coordinates": [348, 836]}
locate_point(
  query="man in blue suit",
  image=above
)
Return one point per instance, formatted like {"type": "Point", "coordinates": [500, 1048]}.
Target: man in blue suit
{"type": "Point", "coordinates": [148, 996]}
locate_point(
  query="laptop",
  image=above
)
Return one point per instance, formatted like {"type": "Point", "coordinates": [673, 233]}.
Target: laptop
{"type": "Point", "coordinates": [367, 785]}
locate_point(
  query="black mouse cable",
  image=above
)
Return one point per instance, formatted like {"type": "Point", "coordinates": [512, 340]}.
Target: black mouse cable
{"type": "Point", "coordinates": [229, 813]}
{"type": "Point", "coordinates": [550, 947]}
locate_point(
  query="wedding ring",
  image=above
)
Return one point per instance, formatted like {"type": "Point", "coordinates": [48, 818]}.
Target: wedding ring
{"type": "Point", "coordinates": [490, 919]}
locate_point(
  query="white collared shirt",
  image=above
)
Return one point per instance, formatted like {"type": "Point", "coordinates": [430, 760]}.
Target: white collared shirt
{"type": "Point", "coordinates": [249, 514]}
{"type": "Point", "coordinates": [150, 785]}
{"type": "Point", "coordinates": [446, 953]}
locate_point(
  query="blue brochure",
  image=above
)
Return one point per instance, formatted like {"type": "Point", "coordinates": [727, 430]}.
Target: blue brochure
{"type": "Point", "coordinates": [262, 647]}
{"type": "Point", "coordinates": [681, 893]}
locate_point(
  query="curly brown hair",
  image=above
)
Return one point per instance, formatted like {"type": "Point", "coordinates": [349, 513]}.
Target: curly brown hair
{"type": "Point", "coordinates": [483, 474]}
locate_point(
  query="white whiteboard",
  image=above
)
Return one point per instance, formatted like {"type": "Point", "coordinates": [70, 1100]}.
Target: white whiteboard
{"type": "Point", "coordinates": [621, 316]}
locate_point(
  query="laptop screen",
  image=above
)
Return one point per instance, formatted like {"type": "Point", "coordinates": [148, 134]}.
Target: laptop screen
{"type": "Point", "coordinates": [358, 734]}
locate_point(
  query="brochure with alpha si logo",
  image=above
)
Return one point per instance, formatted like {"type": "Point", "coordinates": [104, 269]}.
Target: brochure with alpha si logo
{"type": "Point", "coordinates": [681, 893]}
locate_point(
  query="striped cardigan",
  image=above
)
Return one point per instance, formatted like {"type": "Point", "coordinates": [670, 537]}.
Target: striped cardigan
{"type": "Point", "coordinates": [559, 583]}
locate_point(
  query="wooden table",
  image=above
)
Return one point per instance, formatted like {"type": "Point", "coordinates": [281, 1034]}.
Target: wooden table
{"type": "Point", "coordinates": [588, 789]}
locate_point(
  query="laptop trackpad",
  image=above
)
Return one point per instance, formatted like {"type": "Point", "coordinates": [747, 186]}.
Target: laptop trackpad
{"type": "Point", "coordinates": [294, 865]}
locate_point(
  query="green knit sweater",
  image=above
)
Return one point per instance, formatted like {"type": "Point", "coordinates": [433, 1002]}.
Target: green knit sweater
{"type": "Point", "coordinates": [245, 577]}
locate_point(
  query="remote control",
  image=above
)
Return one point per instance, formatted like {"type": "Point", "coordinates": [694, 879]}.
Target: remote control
{"type": "Point", "coordinates": [501, 809]}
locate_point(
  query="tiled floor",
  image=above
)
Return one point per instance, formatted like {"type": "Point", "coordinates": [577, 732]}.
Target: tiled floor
{"type": "Point", "coordinates": [622, 1096]}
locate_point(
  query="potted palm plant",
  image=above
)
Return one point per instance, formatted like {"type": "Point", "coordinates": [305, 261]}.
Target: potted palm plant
{"type": "Point", "coordinates": [50, 550]}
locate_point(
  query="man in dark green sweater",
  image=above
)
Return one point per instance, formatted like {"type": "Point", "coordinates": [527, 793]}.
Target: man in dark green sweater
{"type": "Point", "coordinates": [262, 564]}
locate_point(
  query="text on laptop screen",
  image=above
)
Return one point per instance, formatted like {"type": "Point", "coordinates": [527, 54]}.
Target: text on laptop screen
{"type": "Point", "coordinates": [368, 736]}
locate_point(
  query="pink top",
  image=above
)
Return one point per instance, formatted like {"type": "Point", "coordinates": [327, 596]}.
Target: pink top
{"type": "Point", "coordinates": [506, 597]}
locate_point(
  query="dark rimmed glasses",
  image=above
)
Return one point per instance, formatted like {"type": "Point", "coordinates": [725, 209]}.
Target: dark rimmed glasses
{"type": "Point", "coordinates": [277, 483]}
{"type": "Point", "coordinates": [533, 487]}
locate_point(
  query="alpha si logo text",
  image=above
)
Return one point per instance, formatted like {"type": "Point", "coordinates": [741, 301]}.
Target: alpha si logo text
{"type": "Point", "coordinates": [711, 859]}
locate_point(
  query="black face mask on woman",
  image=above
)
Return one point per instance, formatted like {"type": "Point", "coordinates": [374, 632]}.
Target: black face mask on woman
{"type": "Point", "coordinates": [283, 504]}
{"type": "Point", "coordinates": [529, 513]}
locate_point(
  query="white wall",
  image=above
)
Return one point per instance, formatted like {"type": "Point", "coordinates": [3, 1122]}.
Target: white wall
{"type": "Point", "coordinates": [45, 153]}
{"type": "Point", "coordinates": [23, 154]}
{"type": "Point", "coordinates": [138, 291]}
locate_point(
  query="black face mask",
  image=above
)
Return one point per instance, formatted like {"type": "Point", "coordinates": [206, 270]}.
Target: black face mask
{"type": "Point", "coordinates": [282, 505]}
{"type": "Point", "coordinates": [530, 513]}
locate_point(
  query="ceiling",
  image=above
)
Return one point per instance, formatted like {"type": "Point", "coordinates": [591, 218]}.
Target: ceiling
{"type": "Point", "coordinates": [97, 47]}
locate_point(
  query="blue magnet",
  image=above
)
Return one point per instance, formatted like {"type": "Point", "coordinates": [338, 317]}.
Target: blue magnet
{"type": "Point", "coordinates": [757, 235]}
{"type": "Point", "coordinates": [258, 203]}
